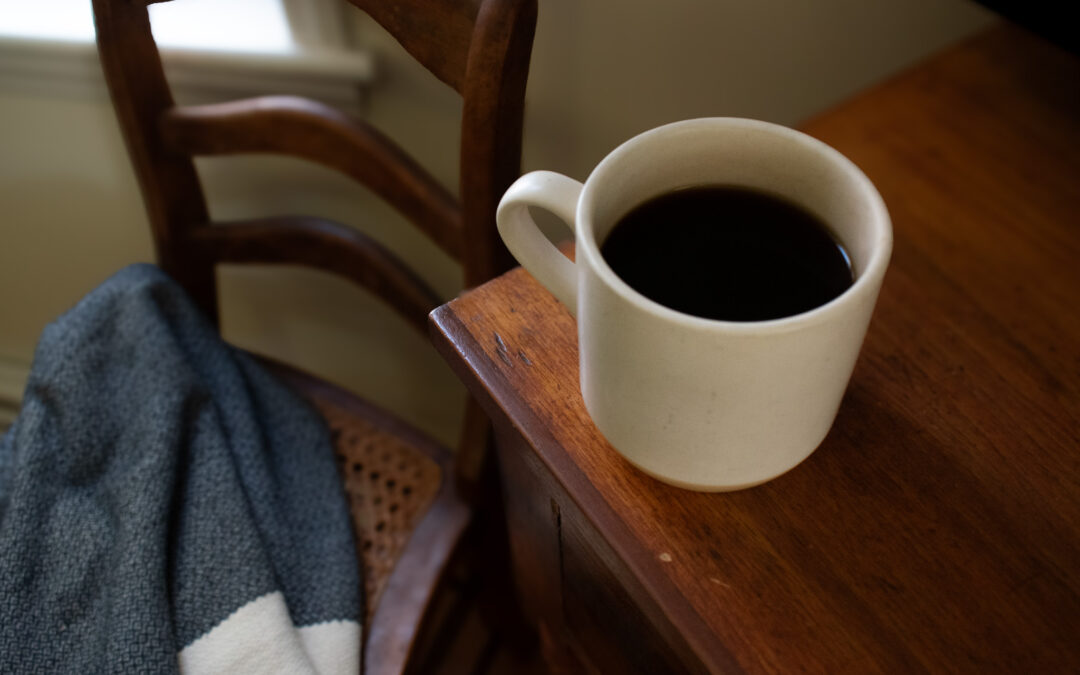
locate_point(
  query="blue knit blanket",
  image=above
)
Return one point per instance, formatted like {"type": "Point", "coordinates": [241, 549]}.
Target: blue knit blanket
{"type": "Point", "coordinates": [166, 505]}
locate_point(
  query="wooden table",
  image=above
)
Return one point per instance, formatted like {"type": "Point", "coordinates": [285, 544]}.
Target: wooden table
{"type": "Point", "coordinates": [938, 526]}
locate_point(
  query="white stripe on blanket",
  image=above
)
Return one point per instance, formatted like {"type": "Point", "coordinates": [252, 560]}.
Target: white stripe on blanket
{"type": "Point", "coordinates": [260, 638]}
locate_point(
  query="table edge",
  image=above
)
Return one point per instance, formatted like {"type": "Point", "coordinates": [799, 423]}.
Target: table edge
{"type": "Point", "coordinates": [485, 383]}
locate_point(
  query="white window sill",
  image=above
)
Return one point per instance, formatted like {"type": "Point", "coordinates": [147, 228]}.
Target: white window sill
{"type": "Point", "coordinates": [71, 68]}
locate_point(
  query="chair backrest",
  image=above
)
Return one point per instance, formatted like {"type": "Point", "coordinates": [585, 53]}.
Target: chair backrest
{"type": "Point", "coordinates": [480, 48]}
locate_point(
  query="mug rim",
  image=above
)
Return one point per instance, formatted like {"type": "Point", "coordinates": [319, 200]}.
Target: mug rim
{"type": "Point", "coordinates": [865, 283]}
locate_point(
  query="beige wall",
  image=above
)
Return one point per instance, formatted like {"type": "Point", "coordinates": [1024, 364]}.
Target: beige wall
{"type": "Point", "coordinates": [603, 70]}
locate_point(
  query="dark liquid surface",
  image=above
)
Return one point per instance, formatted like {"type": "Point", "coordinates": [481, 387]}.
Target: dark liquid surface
{"type": "Point", "coordinates": [728, 253]}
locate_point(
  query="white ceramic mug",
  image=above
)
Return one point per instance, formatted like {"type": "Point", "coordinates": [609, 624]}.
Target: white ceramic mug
{"type": "Point", "coordinates": [701, 403]}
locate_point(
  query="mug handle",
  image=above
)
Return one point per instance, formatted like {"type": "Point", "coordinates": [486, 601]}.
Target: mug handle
{"type": "Point", "coordinates": [558, 194]}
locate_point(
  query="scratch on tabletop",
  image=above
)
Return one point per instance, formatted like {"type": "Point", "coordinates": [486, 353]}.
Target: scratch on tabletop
{"type": "Point", "coordinates": [500, 349]}
{"type": "Point", "coordinates": [525, 359]}
{"type": "Point", "coordinates": [665, 557]}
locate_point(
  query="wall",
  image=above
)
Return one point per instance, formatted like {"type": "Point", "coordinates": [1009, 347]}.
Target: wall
{"type": "Point", "coordinates": [603, 70]}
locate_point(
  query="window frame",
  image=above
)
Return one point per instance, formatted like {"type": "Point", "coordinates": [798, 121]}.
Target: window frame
{"type": "Point", "coordinates": [324, 64]}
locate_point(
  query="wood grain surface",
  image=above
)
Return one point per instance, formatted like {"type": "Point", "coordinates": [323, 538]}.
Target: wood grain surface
{"type": "Point", "coordinates": [937, 528]}
{"type": "Point", "coordinates": [311, 130]}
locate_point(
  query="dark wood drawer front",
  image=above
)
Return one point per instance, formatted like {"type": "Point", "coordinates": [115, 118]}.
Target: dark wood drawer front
{"type": "Point", "coordinates": [608, 615]}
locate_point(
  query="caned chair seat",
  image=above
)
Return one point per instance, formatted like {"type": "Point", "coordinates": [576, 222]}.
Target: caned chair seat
{"type": "Point", "coordinates": [391, 472]}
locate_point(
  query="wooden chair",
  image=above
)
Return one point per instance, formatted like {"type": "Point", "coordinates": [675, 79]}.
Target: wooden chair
{"type": "Point", "coordinates": [409, 496]}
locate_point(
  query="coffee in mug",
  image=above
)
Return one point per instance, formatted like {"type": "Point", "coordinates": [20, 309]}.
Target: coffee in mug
{"type": "Point", "coordinates": [727, 252]}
